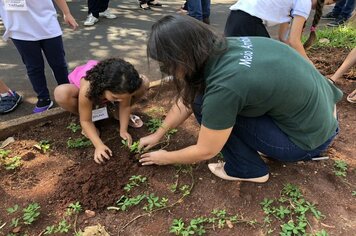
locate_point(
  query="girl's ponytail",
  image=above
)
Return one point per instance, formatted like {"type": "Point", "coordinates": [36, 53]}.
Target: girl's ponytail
{"type": "Point", "coordinates": [317, 16]}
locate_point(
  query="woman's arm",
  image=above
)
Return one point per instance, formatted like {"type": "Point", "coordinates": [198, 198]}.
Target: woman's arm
{"type": "Point", "coordinates": [67, 16]}
{"type": "Point", "coordinates": [210, 142]}
{"type": "Point", "coordinates": [295, 36]}
{"type": "Point", "coordinates": [176, 116]}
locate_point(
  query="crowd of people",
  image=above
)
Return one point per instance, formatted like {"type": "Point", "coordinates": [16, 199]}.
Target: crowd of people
{"type": "Point", "coordinates": [244, 92]}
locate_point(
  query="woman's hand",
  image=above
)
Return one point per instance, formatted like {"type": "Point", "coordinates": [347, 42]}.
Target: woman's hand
{"type": "Point", "coordinates": [149, 141]}
{"type": "Point", "coordinates": [127, 137]}
{"type": "Point", "coordinates": [101, 153]}
{"type": "Point", "coordinates": [157, 157]}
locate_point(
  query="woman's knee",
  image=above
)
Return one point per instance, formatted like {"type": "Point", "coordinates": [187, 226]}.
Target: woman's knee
{"type": "Point", "coordinates": [64, 93]}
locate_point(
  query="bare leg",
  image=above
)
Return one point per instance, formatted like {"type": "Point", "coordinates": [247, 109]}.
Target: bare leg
{"type": "Point", "coordinates": [3, 87]}
{"type": "Point", "coordinates": [66, 95]}
{"type": "Point", "coordinates": [346, 65]}
{"type": "Point", "coordinates": [142, 90]}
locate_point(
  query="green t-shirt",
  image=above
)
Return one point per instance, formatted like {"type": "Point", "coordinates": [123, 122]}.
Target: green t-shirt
{"type": "Point", "coordinates": [259, 76]}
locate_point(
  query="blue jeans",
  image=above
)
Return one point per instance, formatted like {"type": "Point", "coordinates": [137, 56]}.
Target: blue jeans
{"type": "Point", "coordinates": [199, 9]}
{"type": "Point", "coordinates": [252, 134]}
{"type": "Point", "coordinates": [31, 54]}
{"type": "Point", "coordinates": [344, 8]}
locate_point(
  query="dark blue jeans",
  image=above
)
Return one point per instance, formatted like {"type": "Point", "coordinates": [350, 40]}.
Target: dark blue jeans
{"type": "Point", "coordinates": [344, 8]}
{"type": "Point", "coordinates": [199, 9]}
{"type": "Point", "coordinates": [252, 134]}
{"type": "Point", "coordinates": [31, 54]}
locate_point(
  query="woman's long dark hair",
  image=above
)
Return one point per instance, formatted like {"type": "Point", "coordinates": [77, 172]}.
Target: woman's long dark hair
{"type": "Point", "coordinates": [182, 46]}
{"type": "Point", "coordinates": [115, 75]}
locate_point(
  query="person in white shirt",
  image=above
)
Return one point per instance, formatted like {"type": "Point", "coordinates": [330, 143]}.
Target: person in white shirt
{"type": "Point", "coordinates": [34, 28]}
{"type": "Point", "coordinates": [250, 18]}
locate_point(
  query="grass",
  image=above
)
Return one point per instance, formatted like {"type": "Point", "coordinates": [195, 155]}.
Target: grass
{"type": "Point", "coordinates": [337, 37]}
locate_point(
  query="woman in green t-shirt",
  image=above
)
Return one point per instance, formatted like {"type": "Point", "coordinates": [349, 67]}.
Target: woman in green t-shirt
{"type": "Point", "coordinates": [247, 96]}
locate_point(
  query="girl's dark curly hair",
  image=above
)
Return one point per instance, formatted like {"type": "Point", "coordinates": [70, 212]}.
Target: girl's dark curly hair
{"type": "Point", "coordinates": [182, 46]}
{"type": "Point", "coordinates": [115, 75]}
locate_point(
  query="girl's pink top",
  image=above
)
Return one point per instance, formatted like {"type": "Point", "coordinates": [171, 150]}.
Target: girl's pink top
{"type": "Point", "coordinates": [80, 71]}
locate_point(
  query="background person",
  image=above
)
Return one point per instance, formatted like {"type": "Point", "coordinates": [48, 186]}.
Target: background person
{"type": "Point", "coordinates": [246, 95]}
{"type": "Point", "coordinates": [98, 8]}
{"type": "Point", "coordinates": [349, 62]}
{"type": "Point", "coordinates": [250, 18]}
{"type": "Point", "coordinates": [34, 29]}
{"type": "Point", "coordinates": [341, 12]}
{"type": "Point", "coordinates": [9, 99]}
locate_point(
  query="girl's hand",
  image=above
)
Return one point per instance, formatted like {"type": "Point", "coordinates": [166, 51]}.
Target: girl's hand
{"type": "Point", "coordinates": [157, 157]}
{"type": "Point", "coordinates": [69, 19]}
{"type": "Point", "coordinates": [149, 141]}
{"type": "Point", "coordinates": [101, 153]}
{"type": "Point", "coordinates": [126, 136]}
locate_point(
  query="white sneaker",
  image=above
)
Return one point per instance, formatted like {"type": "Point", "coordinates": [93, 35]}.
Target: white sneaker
{"type": "Point", "coordinates": [91, 20]}
{"type": "Point", "coordinates": [107, 14]}
{"type": "Point", "coordinates": [218, 170]}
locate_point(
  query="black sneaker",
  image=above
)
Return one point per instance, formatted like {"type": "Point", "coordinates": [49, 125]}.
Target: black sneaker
{"type": "Point", "coordinates": [330, 16]}
{"type": "Point", "coordinates": [43, 104]}
{"type": "Point", "coordinates": [9, 103]}
{"type": "Point", "coordinates": [337, 22]}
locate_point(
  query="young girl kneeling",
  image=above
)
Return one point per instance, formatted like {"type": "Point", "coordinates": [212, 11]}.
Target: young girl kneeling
{"type": "Point", "coordinates": [112, 81]}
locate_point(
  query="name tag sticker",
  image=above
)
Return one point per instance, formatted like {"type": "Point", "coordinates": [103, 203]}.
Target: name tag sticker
{"type": "Point", "coordinates": [15, 5]}
{"type": "Point", "coordinates": [99, 114]}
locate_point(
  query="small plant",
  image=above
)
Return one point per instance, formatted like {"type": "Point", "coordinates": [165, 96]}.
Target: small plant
{"type": "Point", "coordinates": [43, 146]}
{"type": "Point", "coordinates": [134, 146]}
{"type": "Point", "coordinates": [124, 202]}
{"type": "Point", "coordinates": [73, 208]}
{"type": "Point", "coordinates": [4, 153]}
{"type": "Point", "coordinates": [31, 212]}
{"type": "Point", "coordinates": [50, 230]}
{"type": "Point", "coordinates": [74, 127]}
{"type": "Point", "coordinates": [154, 124]}
{"type": "Point", "coordinates": [291, 210]}
{"type": "Point", "coordinates": [12, 163]}
{"type": "Point", "coordinates": [13, 209]}
{"type": "Point", "coordinates": [15, 222]}
{"type": "Point", "coordinates": [340, 168]}
{"type": "Point", "coordinates": [134, 181]}
{"type": "Point", "coordinates": [185, 190]}
{"type": "Point", "coordinates": [155, 202]}
{"type": "Point", "coordinates": [78, 143]}
{"type": "Point", "coordinates": [62, 227]}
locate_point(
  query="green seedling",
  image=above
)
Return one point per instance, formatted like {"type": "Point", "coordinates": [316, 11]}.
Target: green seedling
{"type": "Point", "coordinates": [134, 181]}
{"type": "Point", "coordinates": [198, 226]}
{"type": "Point", "coordinates": [31, 212]}
{"type": "Point", "coordinates": [73, 208]}
{"type": "Point", "coordinates": [321, 233]}
{"type": "Point", "coordinates": [173, 187]}
{"type": "Point", "coordinates": [12, 163]}
{"type": "Point", "coordinates": [13, 209]}
{"type": "Point", "coordinates": [43, 146]}
{"type": "Point", "coordinates": [340, 168]}
{"type": "Point", "coordinates": [185, 190]}
{"type": "Point", "coordinates": [15, 222]}
{"type": "Point", "coordinates": [74, 127]}
{"type": "Point", "coordinates": [134, 146]}
{"type": "Point", "coordinates": [124, 202]}
{"type": "Point", "coordinates": [154, 124]}
{"type": "Point", "coordinates": [62, 227]}
{"type": "Point", "coordinates": [78, 143]}
{"type": "Point", "coordinates": [154, 202]}
{"type": "Point", "coordinates": [4, 153]}
{"type": "Point", "coordinates": [291, 210]}
{"type": "Point", "coordinates": [50, 230]}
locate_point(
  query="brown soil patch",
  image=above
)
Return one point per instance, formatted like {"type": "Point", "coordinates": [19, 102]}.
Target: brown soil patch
{"type": "Point", "coordinates": [62, 176]}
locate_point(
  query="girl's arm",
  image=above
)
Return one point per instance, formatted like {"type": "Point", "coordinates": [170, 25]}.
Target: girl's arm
{"type": "Point", "coordinates": [210, 142]}
{"type": "Point", "coordinates": [295, 36]}
{"type": "Point", "coordinates": [283, 32]}
{"type": "Point", "coordinates": [124, 116]}
{"type": "Point", "coordinates": [85, 107]}
{"type": "Point", "coordinates": [346, 65]}
{"type": "Point", "coordinates": [67, 16]}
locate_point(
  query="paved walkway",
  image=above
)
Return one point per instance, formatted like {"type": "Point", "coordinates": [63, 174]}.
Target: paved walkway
{"type": "Point", "coordinates": [124, 37]}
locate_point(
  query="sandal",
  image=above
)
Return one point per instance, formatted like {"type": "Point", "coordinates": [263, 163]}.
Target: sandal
{"type": "Point", "coordinates": [352, 97]}
{"type": "Point", "coordinates": [218, 170]}
{"type": "Point", "coordinates": [135, 121]}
